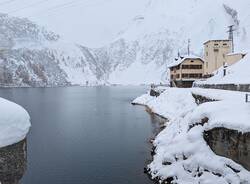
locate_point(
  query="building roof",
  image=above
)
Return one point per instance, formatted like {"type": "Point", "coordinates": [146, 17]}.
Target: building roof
{"type": "Point", "coordinates": [182, 59]}
{"type": "Point", "coordinates": [220, 40]}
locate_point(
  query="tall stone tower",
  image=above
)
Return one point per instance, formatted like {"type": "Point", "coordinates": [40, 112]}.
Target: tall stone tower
{"type": "Point", "coordinates": [215, 54]}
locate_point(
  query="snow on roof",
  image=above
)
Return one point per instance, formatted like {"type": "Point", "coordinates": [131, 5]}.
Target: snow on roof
{"type": "Point", "coordinates": [182, 59]}
{"type": "Point", "coordinates": [14, 123]}
{"type": "Point", "coordinates": [217, 40]}
{"type": "Point", "coordinates": [236, 53]}
{"type": "Point", "coordinates": [184, 150]}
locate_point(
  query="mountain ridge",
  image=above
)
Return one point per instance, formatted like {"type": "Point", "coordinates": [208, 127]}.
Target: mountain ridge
{"type": "Point", "coordinates": [33, 56]}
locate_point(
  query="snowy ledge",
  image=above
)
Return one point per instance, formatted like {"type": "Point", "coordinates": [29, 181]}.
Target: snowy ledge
{"type": "Point", "coordinates": [14, 123]}
{"type": "Point", "coordinates": [181, 153]}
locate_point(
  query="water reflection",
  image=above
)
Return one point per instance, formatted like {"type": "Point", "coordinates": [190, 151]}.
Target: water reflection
{"type": "Point", "coordinates": [13, 163]}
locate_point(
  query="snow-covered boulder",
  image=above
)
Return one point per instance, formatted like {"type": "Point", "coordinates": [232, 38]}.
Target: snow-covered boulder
{"type": "Point", "coordinates": [14, 123]}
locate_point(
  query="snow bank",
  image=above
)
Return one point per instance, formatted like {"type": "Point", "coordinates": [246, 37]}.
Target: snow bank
{"type": "Point", "coordinates": [14, 123]}
{"type": "Point", "coordinates": [181, 151]}
{"type": "Point", "coordinates": [167, 104]}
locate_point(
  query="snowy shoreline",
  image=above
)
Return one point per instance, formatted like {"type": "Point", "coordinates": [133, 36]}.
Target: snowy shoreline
{"type": "Point", "coordinates": [14, 123]}
{"type": "Point", "coordinates": [181, 154]}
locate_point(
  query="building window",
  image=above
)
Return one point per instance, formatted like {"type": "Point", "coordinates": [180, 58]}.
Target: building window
{"type": "Point", "coordinates": [191, 66]}
{"type": "Point", "coordinates": [192, 76]}
{"type": "Point", "coordinates": [185, 66]}
{"type": "Point", "coordinates": [195, 76]}
{"type": "Point", "coordinates": [207, 53]}
{"type": "Point", "coordinates": [216, 50]}
{"type": "Point", "coordinates": [225, 44]}
{"type": "Point", "coordinates": [185, 75]}
{"type": "Point", "coordinates": [206, 64]}
{"type": "Point", "coordinates": [216, 44]}
{"type": "Point", "coordinates": [196, 67]}
{"type": "Point", "coordinates": [177, 76]}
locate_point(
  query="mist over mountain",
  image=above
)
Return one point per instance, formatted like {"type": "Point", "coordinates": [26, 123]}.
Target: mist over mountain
{"type": "Point", "coordinates": [34, 56]}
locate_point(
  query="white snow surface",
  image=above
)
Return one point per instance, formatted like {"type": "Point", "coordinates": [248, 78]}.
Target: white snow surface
{"type": "Point", "coordinates": [14, 123]}
{"type": "Point", "coordinates": [184, 147]}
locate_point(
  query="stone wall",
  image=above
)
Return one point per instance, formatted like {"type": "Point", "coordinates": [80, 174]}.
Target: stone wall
{"type": "Point", "coordinates": [13, 162]}
{"type": "Point", "coordinates": [231, 144]}
{"type": "Point", "coordinates": [232, 87]}
{"type": "Point", "coordinates": [228, 143]}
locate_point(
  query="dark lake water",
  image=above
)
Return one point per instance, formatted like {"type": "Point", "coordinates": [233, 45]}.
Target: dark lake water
{"type": "Point", "coordinates": [85, 135]}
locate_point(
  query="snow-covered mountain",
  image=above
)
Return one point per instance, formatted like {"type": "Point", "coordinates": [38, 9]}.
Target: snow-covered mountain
{"type": "Point", "coordinates": [33, 56]}
{"type": "Point", "coordinates": [153, 39]}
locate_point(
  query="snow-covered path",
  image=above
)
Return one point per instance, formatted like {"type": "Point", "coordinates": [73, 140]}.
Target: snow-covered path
{"type": "Point", "coordinates": [14, 123]}
{"type": "Point", "coordinates": [181, 154]}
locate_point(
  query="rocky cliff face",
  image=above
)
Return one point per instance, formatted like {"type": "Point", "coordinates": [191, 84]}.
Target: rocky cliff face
{"type": "Point", "coordinates": [13, 162]}
{"type": "Point", "coordinates": [32, 56]}
{"type": "Point", "coordinates": [231, 144]}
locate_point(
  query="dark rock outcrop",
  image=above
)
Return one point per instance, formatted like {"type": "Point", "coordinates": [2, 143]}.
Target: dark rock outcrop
{"type": "Point", "coordinates": [13, 162]}
{"type": "Point", "coordinates": [231, 144]}
{"type": "Point", "coordinates": [202, 99]}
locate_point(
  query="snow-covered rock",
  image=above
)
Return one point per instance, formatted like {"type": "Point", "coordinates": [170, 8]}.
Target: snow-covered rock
{"type": "Point", "coordinates": [14, 123]}
{"type": "Point", "coordinates": [181, 153]}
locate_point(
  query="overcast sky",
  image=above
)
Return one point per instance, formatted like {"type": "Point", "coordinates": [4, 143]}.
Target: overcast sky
{"type": "Point", "coordinates": [89, 22]}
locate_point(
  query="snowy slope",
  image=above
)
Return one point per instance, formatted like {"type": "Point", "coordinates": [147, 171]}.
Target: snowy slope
{"type": "Point", "coordinates": [154, 38]}
{"type": "Point", "coordinates": [32, 56]}
{"type": "Point", "coordinates": [140, 54]}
